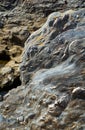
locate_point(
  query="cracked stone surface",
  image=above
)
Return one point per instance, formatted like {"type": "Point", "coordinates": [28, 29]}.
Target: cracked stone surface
{"type": "Point", "coordinates": [52, 94]}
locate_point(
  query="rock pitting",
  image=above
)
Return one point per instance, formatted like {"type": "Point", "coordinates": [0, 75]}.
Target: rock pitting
{"type": "Point", "coordinates": [18, 19]}
{"type": "Point", "coordinates": [52, 74]}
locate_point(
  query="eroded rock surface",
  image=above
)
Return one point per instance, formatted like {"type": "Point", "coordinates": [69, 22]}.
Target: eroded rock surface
{"type": "Point", "coordinates": [46, 6]}
{"type": "Point", "coordinates": [19, 18]}
{"type": "Point", "coordinates": [52, 94]}
{"type": "Point", "coordinates": [14, 30]}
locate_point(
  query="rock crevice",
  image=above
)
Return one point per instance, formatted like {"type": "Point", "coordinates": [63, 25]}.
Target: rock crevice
{"type": "Point", "coordinates": [52, 70]}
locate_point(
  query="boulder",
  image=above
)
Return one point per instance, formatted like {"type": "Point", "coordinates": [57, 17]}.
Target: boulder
{"type": "Point", "coordinates": [52, 71]}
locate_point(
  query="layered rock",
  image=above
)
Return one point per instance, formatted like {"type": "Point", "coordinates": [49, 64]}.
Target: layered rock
{"type": "Point", "coordinates": [19, 18]}
{"type": "Point", "coordinates": [52, 94]}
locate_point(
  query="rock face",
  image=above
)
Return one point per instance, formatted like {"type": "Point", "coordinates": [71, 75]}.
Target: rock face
{"type": "Point", "coordinates": [52, 94]}
{"type": "Point", "coordinates": [9, 62]}
{"type": "Point", "coordinates": [43, 6]}
{"type": "Point", "coordinates": [7, 4]}
{"type": "Point", "coordinates": [14, 30]}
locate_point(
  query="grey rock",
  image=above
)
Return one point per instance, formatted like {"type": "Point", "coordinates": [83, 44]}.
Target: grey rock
{"type": "Point", "coordinates": [46, 90]}
{"type": "Point", "coordinates": [63, 101]}
{"type": "Point", "coordinates": [29, 116]}
{"type": "Point", "coordinates": [20, 119]}
{"type": "Point", "coordinates": [2, 119]}
{"type": "Point", "coordinates": [1, 24]}
{"type": "Point", "coordinates": [78, 93]}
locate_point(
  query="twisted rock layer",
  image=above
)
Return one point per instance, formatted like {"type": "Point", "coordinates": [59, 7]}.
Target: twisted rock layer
{"type": "Point", "coordinates": [52, 95]}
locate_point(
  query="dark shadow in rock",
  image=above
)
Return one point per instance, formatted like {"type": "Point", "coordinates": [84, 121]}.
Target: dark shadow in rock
{"type": "Point", "coordinates": [9, 86]}
{"type": "Point", "coordinates": [4, 56]}
{"type": "Point", "coordinates": [78, 93]}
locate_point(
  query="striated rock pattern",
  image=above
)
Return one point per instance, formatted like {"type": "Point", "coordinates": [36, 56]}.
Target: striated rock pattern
{"type": "Point", "coordinates": [18, 19]}
{"type": "Point", "coordinates": [52, 94]}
